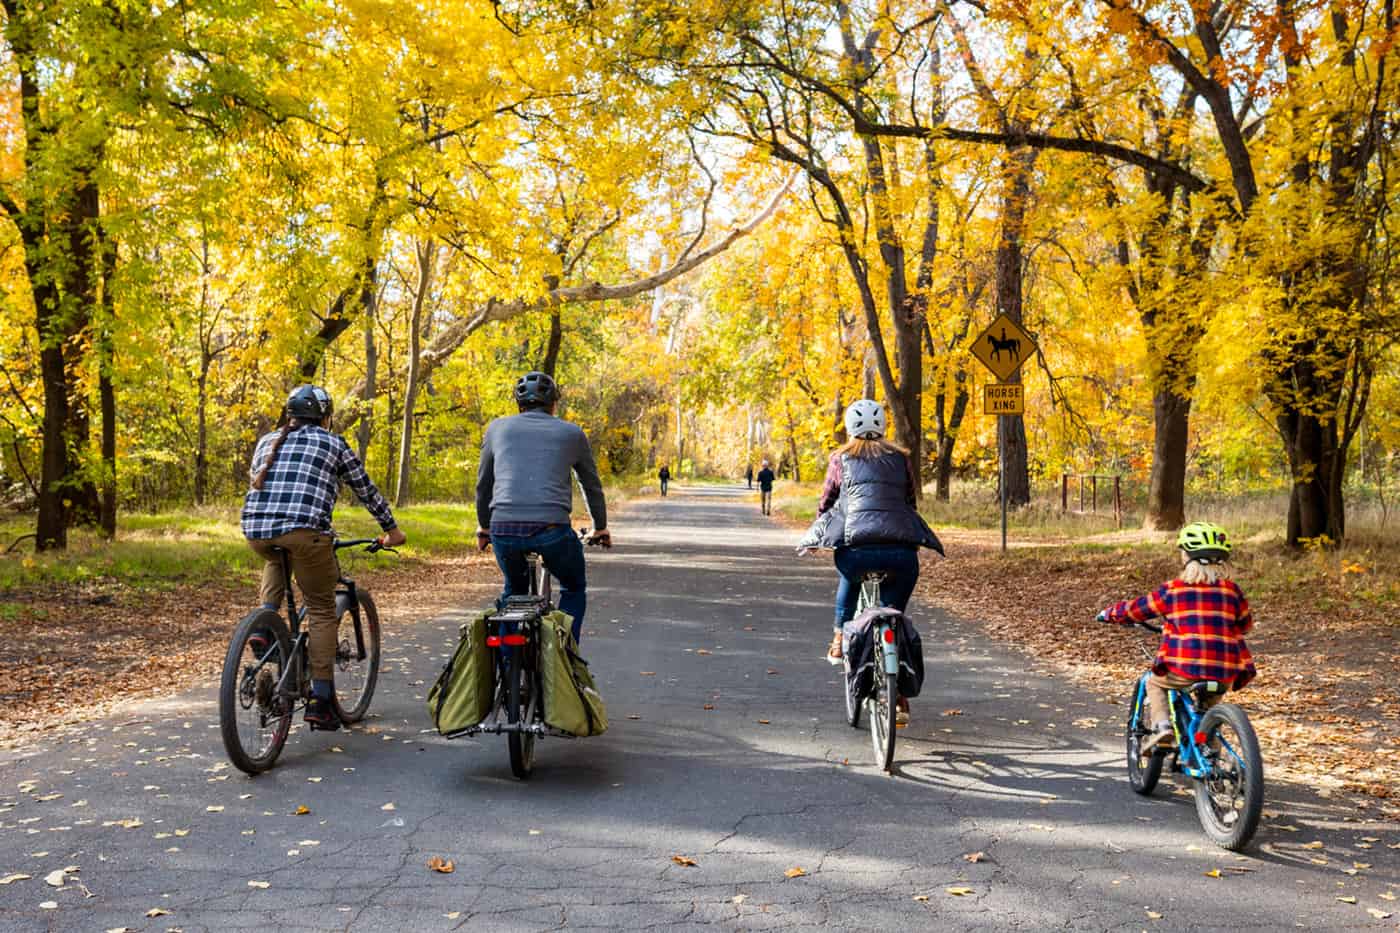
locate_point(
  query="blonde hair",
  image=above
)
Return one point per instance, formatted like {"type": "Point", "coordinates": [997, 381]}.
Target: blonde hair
{"type": "Point", "coordinates": [1196, 572]}
{"type": "Point", "coordinates": [867, 448]}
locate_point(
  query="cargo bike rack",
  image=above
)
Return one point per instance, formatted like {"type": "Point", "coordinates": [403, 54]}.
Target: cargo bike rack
{"type": "Point", "coordinates": [513, 635]}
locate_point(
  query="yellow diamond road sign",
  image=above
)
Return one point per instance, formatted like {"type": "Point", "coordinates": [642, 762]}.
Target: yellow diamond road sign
{"type": "Point", "coordinates": [1003, 347]}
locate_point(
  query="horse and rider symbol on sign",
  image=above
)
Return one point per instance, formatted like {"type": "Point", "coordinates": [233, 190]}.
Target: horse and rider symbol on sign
{"type": "Point", "coordinates": [1003, 347]}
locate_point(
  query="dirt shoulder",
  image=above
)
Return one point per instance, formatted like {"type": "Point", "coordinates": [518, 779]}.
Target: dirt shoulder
{"type": "Point", "coordinates": [1325, 700]}
{"type": "Point", "coordinates": [79, 651]}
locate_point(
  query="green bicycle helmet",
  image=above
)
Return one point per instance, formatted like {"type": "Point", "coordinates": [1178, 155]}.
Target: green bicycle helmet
{"type": "Point", "coordinates": [1204, 542]}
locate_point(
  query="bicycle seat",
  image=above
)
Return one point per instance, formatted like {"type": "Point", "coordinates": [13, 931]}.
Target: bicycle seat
{"type": "Point", "coordinates": [1203, 688]}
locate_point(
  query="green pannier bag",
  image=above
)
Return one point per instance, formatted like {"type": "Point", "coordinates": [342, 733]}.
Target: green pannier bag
{"type": "Point", "coordinates": [571, 700]}
{"type": "Point", "coordinates": [462, 696]}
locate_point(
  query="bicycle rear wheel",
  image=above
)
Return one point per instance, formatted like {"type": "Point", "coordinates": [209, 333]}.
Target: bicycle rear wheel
{"type": "Point", "coordinates": [355, 677]}
{"type": "Point", "coordinates": [1143, 771]}
{"type": "Point", "coordinates": [1230, 798]}
{"type": "Point", "coordinates": [254, 718]}
{"type": "Point", "coordinates": [882, 718]}
{"type": "Point", "coordinates": [522, 744]}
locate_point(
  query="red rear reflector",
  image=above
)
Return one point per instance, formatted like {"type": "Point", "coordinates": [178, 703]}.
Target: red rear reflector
{"type": "Point", "coordinates": [889, 636]}
{"type": "Point", "coordinates": [1200, 738]}
{"type": "Point", "coordinates": [514, 640]}
{"type": "Point", "coordinates": [493, 641]}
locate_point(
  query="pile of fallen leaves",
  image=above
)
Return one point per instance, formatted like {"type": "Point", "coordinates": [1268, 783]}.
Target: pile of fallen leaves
{"type": "Point", "coordinates": [1324, 702]}
{"type": "Point", "coordinates": [75, 651]}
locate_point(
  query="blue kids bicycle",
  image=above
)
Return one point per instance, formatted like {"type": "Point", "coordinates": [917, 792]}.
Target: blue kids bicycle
{"type": "Point", "coordinates": [1216, 748]}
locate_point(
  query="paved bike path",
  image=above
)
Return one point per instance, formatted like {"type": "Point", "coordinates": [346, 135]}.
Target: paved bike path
{"type": "Point", "coordinates": [728, 748]}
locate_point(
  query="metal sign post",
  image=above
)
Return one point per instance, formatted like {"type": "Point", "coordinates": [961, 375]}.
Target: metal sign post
{"type": "Point", "coordinates": [1003, 347]}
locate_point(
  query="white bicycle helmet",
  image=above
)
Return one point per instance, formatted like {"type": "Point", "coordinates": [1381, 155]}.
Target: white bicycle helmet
{"type": "Point", "coordinates": [865, 418]}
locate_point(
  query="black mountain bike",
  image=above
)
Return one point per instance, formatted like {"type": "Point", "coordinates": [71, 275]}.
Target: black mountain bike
{"type": "Point", "coordinates": [267, 674]}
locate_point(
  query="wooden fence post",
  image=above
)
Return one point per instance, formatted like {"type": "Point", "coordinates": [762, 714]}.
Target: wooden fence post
{"type": "Point", "coordinates": [1117, 500]}
{"type": "Point", "coordinates": [1064, 493]}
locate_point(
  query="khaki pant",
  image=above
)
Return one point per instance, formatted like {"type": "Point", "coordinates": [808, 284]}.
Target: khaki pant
{"type": "Point", "coordinates": [1157, 686]}
{"type": "Point", "coordinates": [316, 571]}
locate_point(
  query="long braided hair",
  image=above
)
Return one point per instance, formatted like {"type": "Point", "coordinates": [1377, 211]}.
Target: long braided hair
{"type": "Point", "coordinates": [291, 425]}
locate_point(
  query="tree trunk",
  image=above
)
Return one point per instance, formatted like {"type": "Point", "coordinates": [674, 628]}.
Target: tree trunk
{"type": "Point", "coordinates": [1010, 265]}
{"type": "Point", "coordinates": [364, 431]}
{"type": "Point", "coordinates": [201, 418]}
{"type": "Point", "coordinates": [1315, 504]}
{"type": "Point", "coordinates": [427, 259]}
{"type": "Point", "coordinates": [948, 437]}
{"type": "Point", "coordinates": [107, 392]}
{"type": "Point", "coordinates": [556, 339]}
{"type": "Point", "coordinates": [1166, 495]}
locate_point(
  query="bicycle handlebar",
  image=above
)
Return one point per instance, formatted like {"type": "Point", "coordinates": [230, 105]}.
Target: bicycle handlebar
{"type": "Point", "coordinates": [371, 545]}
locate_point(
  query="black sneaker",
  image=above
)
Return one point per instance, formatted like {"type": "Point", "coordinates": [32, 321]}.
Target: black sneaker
{"type": "Point", "coordinates": [321, 715]}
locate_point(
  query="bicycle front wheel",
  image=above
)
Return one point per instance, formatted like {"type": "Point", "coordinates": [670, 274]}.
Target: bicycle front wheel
{"type": "Point", "coordinates": [1230, 798]}
{"type": "Point", "coordinates": [254, 716]}
{"type": "Point", "coordinates": [1143, 770]}
{"type": "Point", "coordinates": [522, 744]}
{"type": "Point", "coordinates": [355, 676]}
{"type": "Point", "coordinates": [882, 718]}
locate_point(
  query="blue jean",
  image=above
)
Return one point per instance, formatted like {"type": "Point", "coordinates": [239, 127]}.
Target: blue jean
{"type": "Point", "coordinates": [899, 564]}
{"type": "Point", "coordinates": [562, 552]}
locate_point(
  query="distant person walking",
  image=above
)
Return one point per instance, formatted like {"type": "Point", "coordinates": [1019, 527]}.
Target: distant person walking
{"type": "Point", "coordinates": [765, 488]}
{"type": "Point", "coordinates": [748, 475]}
{"type": "Point", "coordinates": [665, 477]}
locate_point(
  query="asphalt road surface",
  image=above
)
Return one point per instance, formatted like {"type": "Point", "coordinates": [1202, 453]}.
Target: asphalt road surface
{"type": "Point", "coordinates": [728, 748]}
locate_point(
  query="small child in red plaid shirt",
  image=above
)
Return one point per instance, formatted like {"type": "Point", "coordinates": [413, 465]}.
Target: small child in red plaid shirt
{"type": "Point", "coordinates": [1205, 617]}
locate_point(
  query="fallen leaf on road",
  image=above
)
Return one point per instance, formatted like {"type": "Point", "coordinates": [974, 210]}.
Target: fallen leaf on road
{"type": "Point", "coordinates": [314, 780]}
{"type": "Point", "coordinates": [1361, 865]}
{"type": "Point", "coordinates": [301, 810]}
{"type": "Point", "coordinates": [259, 884]}
{"type": "Point", "coordinates": [708, 706]}
{"type": "Point", "coordinates": [920, 897]}
{"type": "Point", "coordinates": [702, 651]}
{"type": "Point", "coordinates": [1153, 915]}
{"type": "Point", "coordinates": [1377, 913]}
{"type": "Point", "coordinates": [454, 915]}
{"type": "Point", "coordinates": [156, 912]}
{"type": "Point", "coordinates": [18, 876]}
{"type": "Point", "coordinates": [959, 891]}
{"type": "Point", "coordinates": [685, 860]}
{"type": "Point", "coordinates": [217, 808]}
{"type": "Point", "coordinates": [772, 671]}
{"type": "Point", "coordinates": [795, 872]}
{"type": "Point", "coordinates": [764, 722]}
{"type": "Point", "coordinates": [1315, 844]}
{"type": "Point", "coordinates": [55, 878]}
{"type": "Point", "coordinates": [633, 716]}
{"type": "Point", "coordinates": [1346, 898]}
{"type": "Point", "coordinates": [951, 712]}
{"type": "Point", "coordinates": [1387, 896]}
{"type": "Point", "coordinates": [441, 865]}
{"type": "Point", "coordinates": [48, 905]}
{"type": "Point", "coordinates": [974, 856]}
{"type": "Point", "coordinates": [648, 673]}
{"type": "Point", "coordinates": [47, 797]}
{"type": "Point", "coordinates": [389, 806]}
{"type": "Point", "coordinates": [738, 898]}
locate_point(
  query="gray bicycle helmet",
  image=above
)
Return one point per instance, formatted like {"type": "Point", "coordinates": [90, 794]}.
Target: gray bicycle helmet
{"type": "Point", "coordinates": [536, 388]}
{"type": "Point", "coordinates": [309, 403]}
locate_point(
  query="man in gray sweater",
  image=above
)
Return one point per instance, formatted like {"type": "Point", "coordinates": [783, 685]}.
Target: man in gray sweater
{"type": "Point", "coordinates": [524, 494]}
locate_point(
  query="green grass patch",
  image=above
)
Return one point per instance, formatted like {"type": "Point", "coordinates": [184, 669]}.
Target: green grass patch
{"type": "Point", "coordinates": [174, 548]}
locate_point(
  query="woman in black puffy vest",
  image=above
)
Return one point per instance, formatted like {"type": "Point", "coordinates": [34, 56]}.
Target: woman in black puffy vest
{"type": "Point", "coordinates": [867, 516]}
